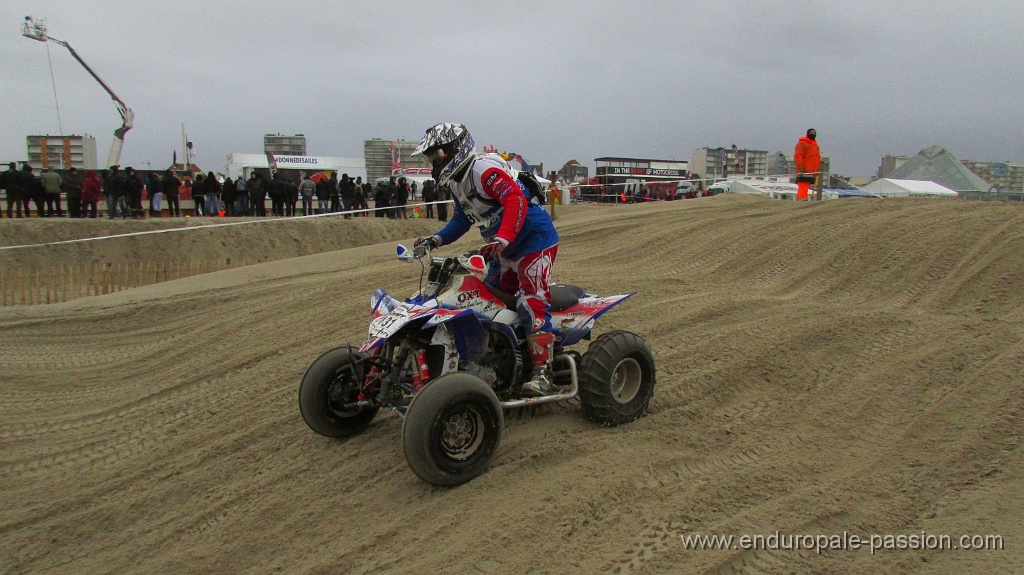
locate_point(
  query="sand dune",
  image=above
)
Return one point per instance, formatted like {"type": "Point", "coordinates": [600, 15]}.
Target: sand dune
{"type": "Point", "coordinates": [851, 366]}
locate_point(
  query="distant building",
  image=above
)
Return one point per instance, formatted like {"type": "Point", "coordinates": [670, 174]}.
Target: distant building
{"type": "Point", "coordinates": [889, 165]}
{"type": "Point", "coordinates": [573, 171]}
{"type": "Point", "coordinates": [713, 164]}
{"type": "Point", "coordinates": [626, 175]}
{"type": "Point", "coordinates": [285, 145]}
{"type": "Point", "coordinates": [618, 170]}
{"type": "Point", "coordinates": [1004, 175]}
{"type": "Point", "coordinates": [62, 152]}
{"type": "Point", "coordinates": [383, 156]}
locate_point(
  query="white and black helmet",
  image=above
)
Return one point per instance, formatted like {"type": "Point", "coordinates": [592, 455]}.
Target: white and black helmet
{"type": "Point", "coordinates": [448, 147]}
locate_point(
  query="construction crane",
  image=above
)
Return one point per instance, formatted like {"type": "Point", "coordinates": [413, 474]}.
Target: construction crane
{"type": "Point", "coordinates": [36, 30]}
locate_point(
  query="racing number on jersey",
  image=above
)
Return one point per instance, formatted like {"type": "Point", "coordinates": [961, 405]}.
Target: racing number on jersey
{"type": "Point", "coordinates": [471, 215]}
{"type": "Point", "coordinates": [475, 219]}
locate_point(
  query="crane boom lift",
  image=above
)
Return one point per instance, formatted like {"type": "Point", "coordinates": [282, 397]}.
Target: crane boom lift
{"type": "Point", "coordinates": [36, 30]}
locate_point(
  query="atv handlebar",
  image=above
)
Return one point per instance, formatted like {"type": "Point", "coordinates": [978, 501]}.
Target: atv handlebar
{"type": "Point", "coordinates": [442, 267]}
{"type": "Point", "coordinates": [420, 250]}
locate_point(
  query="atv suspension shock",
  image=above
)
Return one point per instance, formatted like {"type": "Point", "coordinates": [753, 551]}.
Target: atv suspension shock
{"type": "Point", "coordinates": [378, 365]}
{"type": "Point", "coordinates": [399, 373]}
{"type": "Point", "coordinates": [422, 374]}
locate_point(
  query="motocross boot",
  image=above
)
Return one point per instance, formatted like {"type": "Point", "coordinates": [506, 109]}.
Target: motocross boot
{"type": "Point", "coordinates": [541, 346]}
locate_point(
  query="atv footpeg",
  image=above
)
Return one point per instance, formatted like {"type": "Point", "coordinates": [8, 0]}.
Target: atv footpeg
{"type": "Point", "coordinates": [562, 392]}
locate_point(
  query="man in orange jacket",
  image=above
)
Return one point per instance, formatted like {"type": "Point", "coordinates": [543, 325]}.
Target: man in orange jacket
{"type": "Point", "coordinates": [807, 158]}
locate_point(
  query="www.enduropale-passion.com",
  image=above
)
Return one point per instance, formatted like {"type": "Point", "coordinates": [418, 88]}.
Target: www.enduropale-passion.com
{"type": "Point", "coordinates": [845, 541]}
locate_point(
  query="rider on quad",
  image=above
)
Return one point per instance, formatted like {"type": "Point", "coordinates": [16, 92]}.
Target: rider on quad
{"type": "Point", "coordinates": [521, 239]}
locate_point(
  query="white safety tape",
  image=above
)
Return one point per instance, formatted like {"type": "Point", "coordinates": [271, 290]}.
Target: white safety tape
{"type": "Point", "coordinates": [205, 226]}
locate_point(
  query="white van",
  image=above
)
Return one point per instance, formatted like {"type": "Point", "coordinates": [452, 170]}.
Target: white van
{"type": "Point", "coordinates": [685, 190]}
{"type": "Point", "coordinates": [719, 188]}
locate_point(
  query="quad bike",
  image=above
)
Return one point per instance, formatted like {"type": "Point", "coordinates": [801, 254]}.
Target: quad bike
{"type": "Point", "coordinates": [450, 358]}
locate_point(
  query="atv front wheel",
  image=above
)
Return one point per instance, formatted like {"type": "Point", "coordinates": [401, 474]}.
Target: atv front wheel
{"type": "Point", "coordinates": [452, 429]}
{"type": "Point", "coordinates": [331, 383]}
{"type": "Point", "coordinates": [616, 378]}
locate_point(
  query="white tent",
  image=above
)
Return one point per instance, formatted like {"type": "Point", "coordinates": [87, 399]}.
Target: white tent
{"type": "Point", "coordinates": [780, 190]}
{"type": "Point", "coordinates": [892, 188]}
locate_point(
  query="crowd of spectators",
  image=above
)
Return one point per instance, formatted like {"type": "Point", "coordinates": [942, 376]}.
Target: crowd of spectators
{"type": "Point", "coordinates": [123, 192]}
{"type": "Point", "coordinates": [394, 194]}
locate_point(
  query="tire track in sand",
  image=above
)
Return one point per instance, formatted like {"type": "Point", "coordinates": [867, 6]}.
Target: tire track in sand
{"type": "Point", "coordinates": [665, 534]}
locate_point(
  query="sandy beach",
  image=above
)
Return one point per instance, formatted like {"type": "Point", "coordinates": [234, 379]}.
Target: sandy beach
{"type": "Point", "coordinates": [852, 366]}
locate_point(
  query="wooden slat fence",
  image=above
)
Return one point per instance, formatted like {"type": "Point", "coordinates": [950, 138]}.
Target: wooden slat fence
{"type": "Point", "coordinates": [64, 282]}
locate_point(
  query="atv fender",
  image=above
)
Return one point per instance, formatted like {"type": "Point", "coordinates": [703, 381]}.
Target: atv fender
{"type": "Point", "coordinates": [575, 322]}
{"type": "Point", "coordinates": [469, 334]}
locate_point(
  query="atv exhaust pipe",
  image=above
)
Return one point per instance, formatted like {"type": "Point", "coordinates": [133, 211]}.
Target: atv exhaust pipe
{"type": "Point", "coordinates": [570, 393]}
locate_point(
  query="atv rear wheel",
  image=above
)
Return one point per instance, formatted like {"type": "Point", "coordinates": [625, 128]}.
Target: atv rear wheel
{"type": "Point", "coordinates": [452, 429]}
{"type": "Point", "coordinates": [329, 384]}
{"type": "Point", "coordinates": [616, 378]}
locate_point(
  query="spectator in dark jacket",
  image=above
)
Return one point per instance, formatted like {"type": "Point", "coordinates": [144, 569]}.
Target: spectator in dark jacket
{"type": "Point", "coordinates": [277, 192]}
{"type": "Point", "coordinates": [392, 186]}
{"type": "Point", "coordinates": [381, 200]}
{"type": "Point", "coordinates": [347, 190]}
{"type": "Point", "coordinates": [402, 198]}
{"type": "Point", "coordinates": [359, 196]}
{"type": "Point", "coordinates": [171, 186]}
{"type": "Point", "coordinates": [33, 191]}
{"type": "Point", "coordinates": [135, 185]}
{"type": "Point", "coordinates": [335, 196]}
{"type": "Point", "coordinates": [113, 186]}
{"type": "Point", "coordinates": [198, 196]}
{"type": "Point", "coordinates": [155, 189]}
{"type": "Point", "coordinates": [228, 194]}
{"type": "Point", "coordinates": [73, 192]}
{"type": "Point", "coordinates": [429, 197]}
{"type": "Point", "coordinates": [257, 195]}
{"type": "Point", "coordinates": [13, 183]}
{"type": "Point", "coordinates": [324, 189]}
{"type": "Point", "coordinates": [442, 199]}
{"type": "Point", "coordinates": [291, 196]}
{"type": "Point", "coordinates": [211, 189]}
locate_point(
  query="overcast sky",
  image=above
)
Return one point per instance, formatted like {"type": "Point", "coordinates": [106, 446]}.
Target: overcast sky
{"type": "Point", "coordinates": [551, 80]}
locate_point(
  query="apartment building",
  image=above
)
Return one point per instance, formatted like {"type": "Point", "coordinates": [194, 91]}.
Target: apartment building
{"type": "Point", "coordinates": [62, 152]}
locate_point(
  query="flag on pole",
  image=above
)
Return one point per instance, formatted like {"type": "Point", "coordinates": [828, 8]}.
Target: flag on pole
{"type": "Point", "coordinates": [272, 163]}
